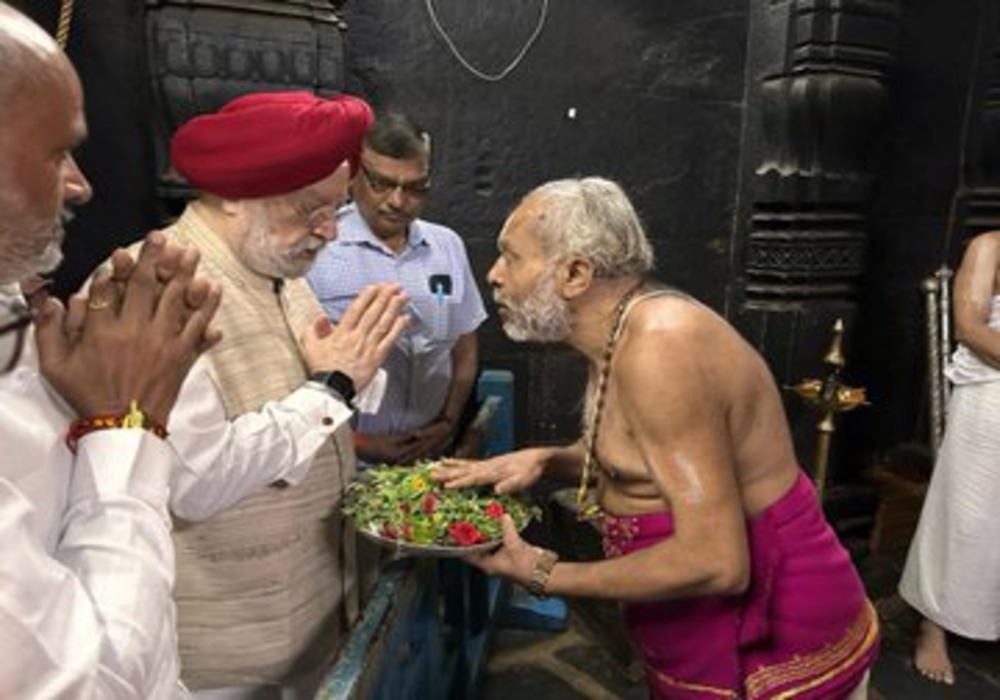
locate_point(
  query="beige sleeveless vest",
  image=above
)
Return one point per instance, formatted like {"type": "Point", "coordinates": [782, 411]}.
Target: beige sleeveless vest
{"type": "Point", "coordinates": [261, 586]}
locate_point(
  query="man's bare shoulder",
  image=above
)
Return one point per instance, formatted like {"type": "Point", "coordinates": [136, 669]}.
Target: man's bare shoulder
{"type": "Point", "coordinates": [986, 238]}
{"type": "Point", "coordinates": [985, 244]}
{"type": "Point", "coordinates": [684, 345]}
{"type": "Point", "coordinates": [687, 357]}
{"type": "Point", "coordinates": [983, 248]}
{"type": "Point", "coordinates": [679, 323]}
{"type": "Point", "coordinates": [978, 276]}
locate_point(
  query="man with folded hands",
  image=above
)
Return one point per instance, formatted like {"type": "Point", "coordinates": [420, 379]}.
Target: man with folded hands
{"type": "Point", "coordinates": [266, 575]}
{"type": "Point", "coordinates": [86, 570]}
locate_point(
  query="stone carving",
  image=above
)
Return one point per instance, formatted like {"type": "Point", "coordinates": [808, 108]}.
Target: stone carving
{"type": "Point", "coordinates": [821, 77]}
{"type": "Point", "coordinates": [203, 53]}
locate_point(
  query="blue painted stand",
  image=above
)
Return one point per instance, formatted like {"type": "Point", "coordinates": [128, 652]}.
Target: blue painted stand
{"type": "Point", "coordinates": [522, 610]}
{"type": "Point", "coordinates": [526, 612]}
{"type": "Point", "coordinates": [500, 433]}
{"type": "Point", "coordinates": [396, 650]}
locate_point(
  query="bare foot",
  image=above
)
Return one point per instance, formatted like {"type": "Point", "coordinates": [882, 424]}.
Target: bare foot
{"type": "Point", "coordinates": [931, 654]}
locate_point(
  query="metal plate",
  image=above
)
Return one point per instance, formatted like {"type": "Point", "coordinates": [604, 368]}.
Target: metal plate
{"type": "Point", "coordinates": [402, 548]}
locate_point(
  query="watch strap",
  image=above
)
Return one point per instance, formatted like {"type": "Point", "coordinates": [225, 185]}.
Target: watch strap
{"type": "Point", "coordinates": [338, 382]}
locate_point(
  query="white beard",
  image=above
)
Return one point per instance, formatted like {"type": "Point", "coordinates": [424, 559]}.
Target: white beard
{"type": "Point", "coordinates": [543, 316]}
{"type": "Point", "coordinates": [19, 255]}
{"type": "Point", "coordinates": [260, 254]}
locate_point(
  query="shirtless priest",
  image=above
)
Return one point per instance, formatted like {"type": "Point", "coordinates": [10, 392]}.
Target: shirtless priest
{"type": "Point", "coordinates": [733, 585]}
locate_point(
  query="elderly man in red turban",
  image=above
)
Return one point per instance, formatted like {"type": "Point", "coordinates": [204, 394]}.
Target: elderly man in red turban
{"type": "Point", "coordinates": [264, 571]}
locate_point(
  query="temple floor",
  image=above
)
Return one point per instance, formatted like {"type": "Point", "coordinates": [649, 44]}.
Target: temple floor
{"type": "Point", "coordinates": [589, 659]}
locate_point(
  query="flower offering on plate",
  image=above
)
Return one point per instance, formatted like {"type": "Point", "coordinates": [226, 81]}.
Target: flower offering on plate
{"type": "Point", "coordinates": [404, 508]}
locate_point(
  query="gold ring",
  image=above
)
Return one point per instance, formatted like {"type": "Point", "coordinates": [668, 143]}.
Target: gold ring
{"type": "Point", "coordinates": [98, 304]}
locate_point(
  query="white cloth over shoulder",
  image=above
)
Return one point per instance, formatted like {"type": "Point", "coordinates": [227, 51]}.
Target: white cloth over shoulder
{"type": "Point", "coordinates": [952, 572]}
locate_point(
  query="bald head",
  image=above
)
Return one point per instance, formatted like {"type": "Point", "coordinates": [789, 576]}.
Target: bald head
{"type": "Point", "coordinates": [28, 55]}
{"type": "Point", "coordinates": [43, 122]}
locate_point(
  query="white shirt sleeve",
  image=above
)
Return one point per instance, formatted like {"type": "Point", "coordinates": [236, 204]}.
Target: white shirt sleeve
{"type": "Point", "coordinates": [96, 618]}
{"type": "Point", "coordinates": [225, 460]}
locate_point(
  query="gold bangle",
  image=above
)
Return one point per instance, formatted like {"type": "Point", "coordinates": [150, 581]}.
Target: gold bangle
{"type": "Point", "coordinates": [541, 572]}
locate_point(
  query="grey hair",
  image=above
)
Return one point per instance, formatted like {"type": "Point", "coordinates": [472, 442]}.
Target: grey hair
{"type": "Point", "coordinates": [592, 218]}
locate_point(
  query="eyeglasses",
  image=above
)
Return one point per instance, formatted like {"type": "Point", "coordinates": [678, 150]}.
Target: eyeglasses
{"type": "Point", "coordinates": [380, 184]}
{"type": "Point", "coordinates": [15, 317]}
{"type": "Point", "coordinates": [322, 222]}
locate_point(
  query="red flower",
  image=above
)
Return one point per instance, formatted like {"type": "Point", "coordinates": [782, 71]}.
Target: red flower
{"type": "Point", "coordinates": [430, 503]}
{"type": "Point", "coordinates": [494, 510]}
{"type": "Point", "coordinates": [464, 533]}
{"type": "Point", "coordinates": [389, 532]}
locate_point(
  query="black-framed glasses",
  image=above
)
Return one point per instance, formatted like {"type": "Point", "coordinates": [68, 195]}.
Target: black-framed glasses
{"type": "Point", "coordinates": [380, 184]}
{"type": "Point", "coordinates": [15, 317]}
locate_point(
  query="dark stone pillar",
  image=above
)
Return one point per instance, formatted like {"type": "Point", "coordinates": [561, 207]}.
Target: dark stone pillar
{"type": "Point", "coordinates": [816, 92]}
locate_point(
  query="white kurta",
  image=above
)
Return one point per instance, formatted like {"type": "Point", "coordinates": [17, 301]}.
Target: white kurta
{"type": "Point", "coordinates": [86, 565]}
{"type": "Point", "coordinates": [225, 460]}
{"type": "Point", "coordinates": [952, 572]}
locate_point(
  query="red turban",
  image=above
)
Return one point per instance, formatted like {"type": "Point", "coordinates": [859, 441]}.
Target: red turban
{"type": "Point", "coordinates": [270, 143]}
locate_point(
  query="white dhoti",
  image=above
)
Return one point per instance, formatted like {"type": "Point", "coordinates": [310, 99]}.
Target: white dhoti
{"type": "Point", "coordinates": [952, 573]}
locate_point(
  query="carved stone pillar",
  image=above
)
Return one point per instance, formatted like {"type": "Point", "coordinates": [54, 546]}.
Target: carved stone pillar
{"type": "Point", "coordinates": [205, 52]}
{"type": "Point", "coordinates": [816, 90]}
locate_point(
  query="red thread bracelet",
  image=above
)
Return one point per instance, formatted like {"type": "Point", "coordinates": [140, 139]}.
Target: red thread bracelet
{"type": "Point", "coordinates": [133, 419]}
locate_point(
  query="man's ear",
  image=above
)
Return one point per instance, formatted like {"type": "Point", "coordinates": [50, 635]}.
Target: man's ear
{"type": "Point", "coordinates": [576, 275]}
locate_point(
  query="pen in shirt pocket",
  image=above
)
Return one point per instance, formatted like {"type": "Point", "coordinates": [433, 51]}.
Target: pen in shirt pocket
{"type": "Point", "coordinates": [414, 312]}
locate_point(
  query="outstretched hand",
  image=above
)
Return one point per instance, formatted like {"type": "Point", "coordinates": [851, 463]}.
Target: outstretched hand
{"type": "Point", "coordinates": [360, 342]}
{"type": "Point", "coordinates": [133, 336]}
{"type": "Point", "coordinates": [508, 473]}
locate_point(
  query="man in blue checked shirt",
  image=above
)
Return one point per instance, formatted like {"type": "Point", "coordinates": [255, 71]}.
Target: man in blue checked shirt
{"type": "Point", "coordinates": [433, 366]}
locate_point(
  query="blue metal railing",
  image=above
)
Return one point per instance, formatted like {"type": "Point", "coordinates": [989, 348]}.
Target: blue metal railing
{"type": "Point", "coordinates": [425, 631]}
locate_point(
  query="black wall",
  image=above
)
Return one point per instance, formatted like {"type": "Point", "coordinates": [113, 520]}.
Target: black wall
{"type": "Point", "coordinates": [647, 93]}
{"type": "Point", "coordinates": [796, 161]}
{"type": "Point", "coordinates": [934, 157]}
{"type": "Point", "coordinates": [107, 45]}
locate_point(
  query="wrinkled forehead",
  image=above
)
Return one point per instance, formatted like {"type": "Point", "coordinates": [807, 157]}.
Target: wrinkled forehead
{"type": "Point", "coordinates": [520, 230]}
{"type": "Point", "coordinates": [44, 109]}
